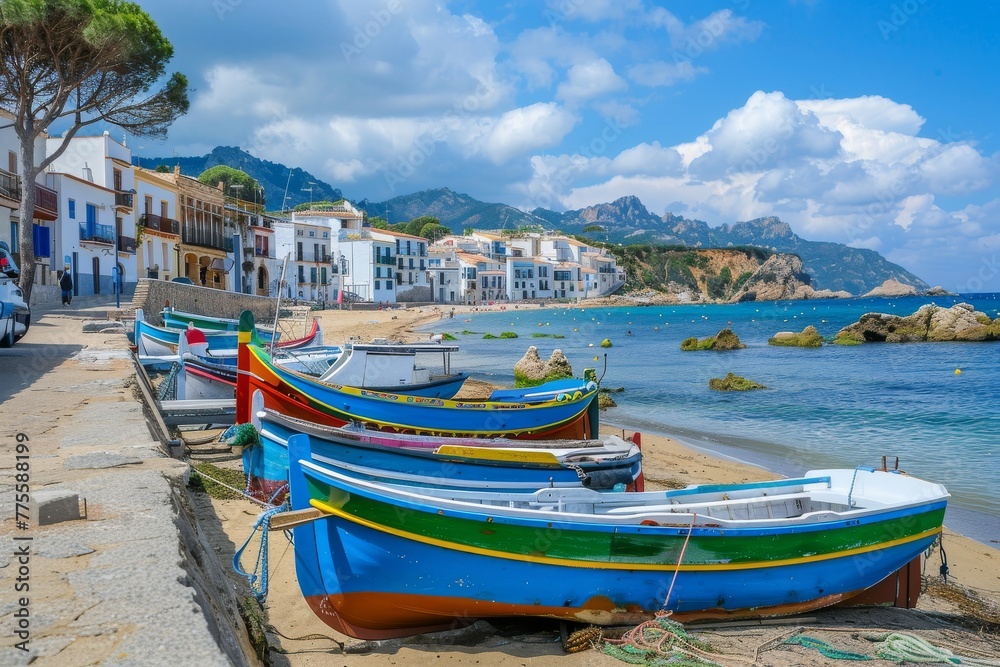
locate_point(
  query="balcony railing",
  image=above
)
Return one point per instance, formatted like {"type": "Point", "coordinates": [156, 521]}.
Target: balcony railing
{"type": "Point", "coordinates": [10, 185]}
{"type": "Point", "coordinates": [126, 244]}
{"type": "Point", "coordinates": [123, 199]}
{"type": "Point", "coordinates": [264, 252]}
{"type": "Point", "coordinates": [94, 233]}
{"type": "Point", "coordinates": [160, 224]}
{"type": "Point", "coordinates": [207, 239]}
{"type": "Point", "coordinates": [46, 203]}
{"type": "Point", "coordinates": [389, 261]}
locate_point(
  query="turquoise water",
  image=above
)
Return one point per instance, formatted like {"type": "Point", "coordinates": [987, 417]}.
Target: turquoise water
{"type": "Point", "coordinates": [828, 407]}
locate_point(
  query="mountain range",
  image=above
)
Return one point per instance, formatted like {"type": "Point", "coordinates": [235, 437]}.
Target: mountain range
{"type": "Point", "coordinates": [625, 221]}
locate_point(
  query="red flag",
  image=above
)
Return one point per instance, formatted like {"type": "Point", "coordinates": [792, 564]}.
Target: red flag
{"type": "Point", "coordinates": [340, 296]}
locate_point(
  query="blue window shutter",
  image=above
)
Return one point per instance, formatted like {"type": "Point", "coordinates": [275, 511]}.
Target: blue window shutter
{"type": "Point", "coordinates": [40, 240]}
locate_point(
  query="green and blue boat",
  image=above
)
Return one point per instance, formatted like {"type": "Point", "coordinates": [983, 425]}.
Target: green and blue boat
{"type": "Point", "coordinates": [377, 560]}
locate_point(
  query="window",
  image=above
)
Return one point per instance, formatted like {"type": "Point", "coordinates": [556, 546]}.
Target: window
{"type": "Point", "coordinates": [40, 240]}
{"type": "Point", "coordinates": [117, 176]}
{"type": "Point", "coordinates": [298, 232]}
{"type": "Point", "coordinates": [378, 284]}
{"type": "Point", "coordinates": [302, 274]}
{"type": "Point", "coordinates": [72, 209]}
{"type": "Point", "coordinates": [14, 247]}
{"type": "Point", "coordinates": [312, 232]}
{"type": "Point", "coordinates": [322, 275]}
{"type": "Point", "coordinates": [163, 209]}
{"type": "Point", "coordinates": [312, 274]}
{"type": "Point", "coordinates": [326, 234]}
{"type": "Point", "coordinates": [12, 162]}
{"type": "Point", "coordinates": [147, 204]}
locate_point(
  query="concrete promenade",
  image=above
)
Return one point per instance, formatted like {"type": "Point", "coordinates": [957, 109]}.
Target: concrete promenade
{"type": "Point", "coordinates": [126, 584]}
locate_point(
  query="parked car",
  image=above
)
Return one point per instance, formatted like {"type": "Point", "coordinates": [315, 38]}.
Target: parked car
{"type": "Point", "coordinates": [182, 279]}
{"type": "Point", "coordinates": [15, 317]}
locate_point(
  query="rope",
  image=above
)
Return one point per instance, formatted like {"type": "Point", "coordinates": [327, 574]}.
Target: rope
{"type": "Point", "coordinates": [258, 582]}
{"type": "Point", "coordinates": [825, 649]}
{"type": "Point", "coordinates": [850, 492]}
{"type": "Point", "coordinates": [680, 559]}
{"type": "Point", "coordinates": [898, 647]}
{"type": "Point", "coordinates": [233, 488]}
{"type": "Point", "coordinates": [659, 642]}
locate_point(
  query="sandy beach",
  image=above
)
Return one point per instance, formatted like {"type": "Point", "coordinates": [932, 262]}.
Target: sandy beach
{"type": "Point", "coordinates": [963, 616]}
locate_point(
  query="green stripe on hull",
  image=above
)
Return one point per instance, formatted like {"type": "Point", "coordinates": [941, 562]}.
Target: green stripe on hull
{"type": "Point", "coordinates": [636, 545]}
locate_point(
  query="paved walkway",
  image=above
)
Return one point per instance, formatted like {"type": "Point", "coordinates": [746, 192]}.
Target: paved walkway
{"type": "Point", "coordinates": [115, 588]}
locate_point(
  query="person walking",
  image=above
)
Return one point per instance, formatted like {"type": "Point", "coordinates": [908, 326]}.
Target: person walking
{"type": "Point", "coordinates": [66, 285]}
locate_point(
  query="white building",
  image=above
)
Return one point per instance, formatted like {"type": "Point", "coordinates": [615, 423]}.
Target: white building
{"type": "Point", "coordinates": [410, 254]}
{"type": "Point", "coordinates": [158, 230]}
{"type": "Point", "coordinates": [444, 275]}
{"type": "Point", "coordinates": [95, 231]}
{"type": "Point", "coordinates": [46, 207]}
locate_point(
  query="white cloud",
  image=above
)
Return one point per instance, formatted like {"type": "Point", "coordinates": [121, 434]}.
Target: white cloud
{"type": "Point", "coordinates": [588, 80]}
{"type": "Point", "coordinates": [528, 128]}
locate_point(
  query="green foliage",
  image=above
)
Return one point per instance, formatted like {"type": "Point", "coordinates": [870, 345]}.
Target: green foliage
{"type": "Point", "coordinates": [847, 340]}
{"type": "Point", "coordinates": [378, 222]}
{"type": "Point", "coordinates": [592, 228]}
{"type": "Point", "coordinates": [508, 334]}
{"type": "Point", "coordinates": [466, 332]}
{"type": "Point", "coordinates": [489, 336]}
{"type": "Point", "coordinates": [163, 169]}
{"type": "Point", "coordinates": [247, 187]}
{"type": "Point", "coordinates": [606, 343]}
{"type": "Point", "coordinates": [541, 335]}
{"type": "Point", "coordinates": [733, 382]}
{"type": "Point", "coordinates": [718, 286]}
{"type": "Point", "coordinates": [233, 478]}
{"type": "Point", "coordinates": [324, 205]}
{"type": "Point", "coordinates": [741, 280]}
{"type": "Point", "coordinates": [448, 336]}
{"type": "Point", "coordinates": [693, 344]}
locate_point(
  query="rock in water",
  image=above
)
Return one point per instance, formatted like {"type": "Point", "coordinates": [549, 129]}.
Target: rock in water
{"type": "Point", "coordinates": [529, 371]}
{"type": "Point", "coordinates": [727, 340]}
{"type": "Point", "coordinates": [557, 366]}
{"type": "Point", "coordinates": [809, 337]}
{"type": "Point", "coordinates": [961, 322]}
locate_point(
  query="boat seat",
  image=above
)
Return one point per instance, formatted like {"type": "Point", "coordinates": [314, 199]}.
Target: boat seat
{"type": "Point", "coordinates": [758, 507]}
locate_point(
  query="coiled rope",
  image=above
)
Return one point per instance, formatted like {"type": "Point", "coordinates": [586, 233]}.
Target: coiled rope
{"type": "Point", "coordinates": [898, 647]}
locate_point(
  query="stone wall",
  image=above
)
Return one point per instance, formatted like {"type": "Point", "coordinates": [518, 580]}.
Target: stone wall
{"type": "Point", "coordinates": [153, 295]}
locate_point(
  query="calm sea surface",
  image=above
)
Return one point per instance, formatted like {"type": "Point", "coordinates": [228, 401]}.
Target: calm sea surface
{"type": "Point", "coordinates": [934, 405]}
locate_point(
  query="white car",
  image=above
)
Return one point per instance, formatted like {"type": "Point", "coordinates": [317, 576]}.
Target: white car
{"type": "Point", "coordinates": [15, 317]}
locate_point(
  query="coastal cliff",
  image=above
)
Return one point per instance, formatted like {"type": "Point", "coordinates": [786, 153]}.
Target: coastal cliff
{"type": "Point", "coordinates": [658, 274]}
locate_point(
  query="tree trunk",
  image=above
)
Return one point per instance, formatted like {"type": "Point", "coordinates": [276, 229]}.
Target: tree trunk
{"type": "Point", "coordinates": [26, 213]}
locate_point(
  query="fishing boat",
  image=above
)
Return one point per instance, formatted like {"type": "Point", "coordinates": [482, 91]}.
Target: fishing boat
{"type": "Point", "coordinates": [468, 463]}
{"type": "Point", "coordinates": [557, 409]}
{"type": "Point", "coordinates": [377, 560]}
{"type": "Point", "coordinates": [176, 319]}
{"type": "Point", "coordinates": [154, 341]}
{"type": "Point", "coordinates": [197, 380]}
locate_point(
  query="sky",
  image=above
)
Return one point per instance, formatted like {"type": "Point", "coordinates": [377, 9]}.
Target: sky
{"type": "Point", "coordinates": [870, 123]}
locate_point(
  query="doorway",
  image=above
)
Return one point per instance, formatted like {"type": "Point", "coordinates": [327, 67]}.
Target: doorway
{"type": "Point", "coordinates": [97, 275]}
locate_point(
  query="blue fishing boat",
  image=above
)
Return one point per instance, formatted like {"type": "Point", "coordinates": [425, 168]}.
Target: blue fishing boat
{"type": "Point", "coordinates": [377, 560]}
{"type": "Point", "coordinates": [467, 463]}
{"type": "Point", "coordinates": [557, 409]}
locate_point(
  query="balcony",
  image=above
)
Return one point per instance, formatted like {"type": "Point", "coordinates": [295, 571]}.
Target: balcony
{"type": "Point", "coordinates": [155, 222]}
{"type": "Point", "coordinates": [126, 244]}
{"type": "Point", "coordinates": [123, 199]}
{"type": "Point", "coordinates": [46, 203]}
{"type": "Point", "coordinates": [390, 261]}
{"type": "Point", "coordinates": [10, 186]}
{"type": "Point", "coordinates": [91, 232]}
{"type": "Point", "coordinates": [206, 239]}
{"type": "Point", "coordinates": [263, 252]}
{"type": "Point", "coordinates": [326, 259]}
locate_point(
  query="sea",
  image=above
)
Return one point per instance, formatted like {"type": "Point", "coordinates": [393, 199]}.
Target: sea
{"type": "Point", "coordinates": [934, 406]}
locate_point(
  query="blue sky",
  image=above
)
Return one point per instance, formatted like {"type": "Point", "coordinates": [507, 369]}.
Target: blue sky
{"type": "Point", "coordinates": [866, 123]}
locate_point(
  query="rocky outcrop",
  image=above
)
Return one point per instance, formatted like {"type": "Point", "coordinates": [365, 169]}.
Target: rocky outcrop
{"type": "Point", "coordinates": [892, 287]}
{"type": "Point", "coordinates": [724, 340]}
{"type": "Point", "coordinates": [777, 279]}
{"type": "Point", "coordinates": [733, 382]}
{"type": "Point", "coordinates": [808, 337]}
{"type": "Point", "coordinates": [807, 292]}
{"type": "Point", "coordinates": [961, 322]}
{"type": "Point", "coordinates": [530, 371]}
